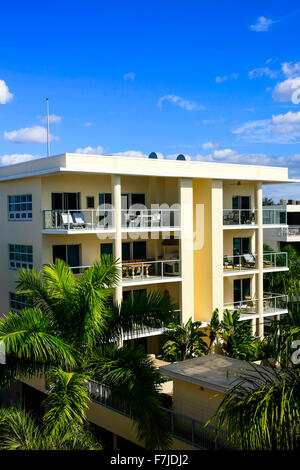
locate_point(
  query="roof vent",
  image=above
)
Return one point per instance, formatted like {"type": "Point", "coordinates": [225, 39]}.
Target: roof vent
{"type": "Point", "coordinates": [152, 155]}
{"type": "Point", "coordinates": [180, 157]}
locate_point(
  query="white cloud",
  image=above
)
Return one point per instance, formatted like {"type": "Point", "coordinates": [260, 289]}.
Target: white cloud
{"type": "Point", "coordinates": [88, 124]}
{"type": "Point", "coordinates": [224, 78]}
{"type": "Point", "coordinates": [210, 145]}
{"type": "Point", "coordinates": [129, 76]}
{"type": "Point", "coordinates": [261, 71]}
{"type": "Point", "coordinates": [134, 154]}
{"type": "Point", "coordinates": [5, 95]}
{"type": "Point", "coordinates": [281, 128]}
{"type": "Point", "coordinates": [35, 135]}
{"type": "Point", "coordinates": [262, 24]}
{"type": "Point", "coordinates": [289, 69]}
{"type": "Point", "coordinates": [288, 90]}
{"type": "Point", "coordinates": [17, 158]}
{"type": "Point", "coordinates": [90, 150]}
{"type": "Point", "coordinates": [52, 119]}
{"type": "Point", "coordinates": [185, 104]}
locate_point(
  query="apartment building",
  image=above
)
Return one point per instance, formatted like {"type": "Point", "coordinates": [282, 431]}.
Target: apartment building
{"type": "Point", "coordinates": [278, 237]}
{"type": "Point", "coordinates": [191, 229]}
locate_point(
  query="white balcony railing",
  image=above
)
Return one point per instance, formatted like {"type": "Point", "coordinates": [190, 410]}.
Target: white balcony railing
{"type": "Point", "coordinates": [249, 261]}
{"type": "Point", "coordinates": [87, 219]}
{"type": "Point", "coordinates": [273, 216]}
{"type": "Point", "coordinates": [272, 303]}
{"type": "Point", "coordinates": [150, 218]}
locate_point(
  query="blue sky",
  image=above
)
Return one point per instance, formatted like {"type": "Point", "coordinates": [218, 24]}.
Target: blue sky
{"type": "Point", "coordinates": [217, 80]}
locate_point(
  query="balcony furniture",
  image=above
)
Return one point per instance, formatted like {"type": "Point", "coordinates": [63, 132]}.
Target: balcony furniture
{"type": "Point", "coordinates": [228, 264]}
{"type": "Point", "coordinates": [155, 219]}
{"type": "Point", "coordinates": [78, 220]}
{"type": "Point", "coordinates": [67, 220]}
{"type": "Point", "coordinates": [248, 261]}
{"type": "Point", "coordinates": [250, 303]}
{"type": "Point", "coordinates": [136, 267]}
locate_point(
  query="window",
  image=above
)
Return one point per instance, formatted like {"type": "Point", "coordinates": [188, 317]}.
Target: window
{"type": "Point", "coordinates": [17, 302]}
{"type": "Point", "coordinates": [106, 249]}
{"type": "Point", "coordinates": [66, 201]}
{"type": "Point", "coordinates": [241, 289]}
{"type": "Point", "coordinates": [68, 253]}
{"type": "Point", "coordinates": [20, 256]}
{"type": "Point", "coordinates": [90, 202]}
{"type": "Point", "coordinates": [241, 246]}
{"type": "Point", "coordinates": [105, 199]}
{"type": "Point", "coordinates": [20, 207]}
{"type": "Point", "coordinates": [134, 250]}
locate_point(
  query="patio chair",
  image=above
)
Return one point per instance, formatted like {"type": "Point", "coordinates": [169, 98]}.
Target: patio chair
{"type": "Point", "coordinates": [79, 220]}
{"type": "Point", "coordinates": [250, 303]}
{"type": "Point", "coordinates": [155, 219]}
{"type": "Point", "coordinates": [67, 220]}
{"type": "Point", "coordinates": [248, 261]}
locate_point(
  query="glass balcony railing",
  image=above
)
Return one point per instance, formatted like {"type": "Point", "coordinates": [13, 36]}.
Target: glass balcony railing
{"type": "Point", "coordinates": [87, 219]}
{"type": "Point", "coordinates": [274, 216]}
{"type": "Point", "coordinates": [150, 218]}
{"type": "Point", "coordinates": [272, 303]}
{"type": "Point", "coordinates": [249, 261]}
{"type": "Point", "coordinates": [144, 270]}
{"type": "Point", "coordinates": [271, 216]}
{"type": "Point", "coordinates": [239, 217]}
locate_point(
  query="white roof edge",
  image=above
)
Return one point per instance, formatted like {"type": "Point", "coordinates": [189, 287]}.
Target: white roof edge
{"type": "Point", "coordinates": [62, 166]}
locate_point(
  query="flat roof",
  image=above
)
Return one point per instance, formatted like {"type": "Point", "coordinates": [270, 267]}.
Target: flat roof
{"type": "Point", "coordinates": [213, 371]}
{"type": "Point", "coordinates": [119, 165]}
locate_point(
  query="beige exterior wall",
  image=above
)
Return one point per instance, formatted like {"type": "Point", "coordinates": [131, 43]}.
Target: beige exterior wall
{"type": "Point", "coordinates": [197, 402]}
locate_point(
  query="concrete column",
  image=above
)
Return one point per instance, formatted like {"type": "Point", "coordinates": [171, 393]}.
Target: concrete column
{"type": "Point", "coordinates": [217, 246]}
{"type": "Point", "coordinates": [259, 252]}
{"type": "Point", "coordinates": [116, 201]}
{"type": "Point", "coordinates": [186, 248]}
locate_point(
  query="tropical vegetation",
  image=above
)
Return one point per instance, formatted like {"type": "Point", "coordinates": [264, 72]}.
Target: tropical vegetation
{"type": "Point", "coordinates": [71, 332]}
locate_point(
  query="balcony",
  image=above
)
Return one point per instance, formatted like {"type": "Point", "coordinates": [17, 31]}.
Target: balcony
{"type": "Point", "coordinates": [239, 217]}
{"type": "Point", "coordinates": [242, 264]}
{"type": "Point", "coordinates": [136, 272]}
{"type": "Point", "coordinates": [273, 304]}
{"type": "Point", "coordinates": [273, 216]}
{"type": "Point", "coordinates": [88, 220]}
{"type": "Point", "coordinates": [142, 331]}
{"type": "Point", "coordinates": [248, 217]}
{"type": "Point", "coordinates": [150, 219]}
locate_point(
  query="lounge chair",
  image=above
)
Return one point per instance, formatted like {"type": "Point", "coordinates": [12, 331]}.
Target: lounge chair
{"type": "Point", "coordinates": [67, 220]}
{"type": "Point", "coordinates": [248, 260]}
{"type": "Point", "coordinates": [78, 220]}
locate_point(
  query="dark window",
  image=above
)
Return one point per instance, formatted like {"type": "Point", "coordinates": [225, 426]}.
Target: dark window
{"type": "Point", "coordinates": [90, 202]}
{"type": "Point", "coordinates": [106, 249]}
{"type": "Point", "coordinates": [105, 199]}
{"type": "Point", "coordinates": [241, 246]}
{"type": "Point", "coordinates": [126, 251]}
{"type": "Point", "coordinates": [138, 199]}
{"type": "Point", "coordinates": [68, 253]}
{"type": "Point", "coordinates": [65, 201]}
{"type": "Point", "coordinates": [241, 289]}
{"type": "Point", "coordinates": [17, 302]}
{"type": "Point", "coordinates": [139, 250]}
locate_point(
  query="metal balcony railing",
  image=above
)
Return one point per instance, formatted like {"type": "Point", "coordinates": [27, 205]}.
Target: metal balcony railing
{"type": "Point", "coordinates": [185, 428]}
{"type": "Point", "coordinates": [87, 219]}
{"type": "Point", "coordinates": [249, 261]}
{"type": "Point", "coordinates": [272, 303]}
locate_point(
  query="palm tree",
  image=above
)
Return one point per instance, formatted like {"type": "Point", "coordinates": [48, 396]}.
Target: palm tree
{"type": "Point", "coordinates": [185, 341]}
{"type": "Point", "coordinates": [262, 409]}
{"type": "Point", "coordinates": [235, 335]}
{"type": "Point", "coordinates": [70, 333]}
{"type": "Point", "coordinates": [214, 329]}
{"type": "Point", "coordinates": [20, 430]}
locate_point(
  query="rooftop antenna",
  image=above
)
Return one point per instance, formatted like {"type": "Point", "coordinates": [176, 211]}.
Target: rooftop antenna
{"type": "Point", "coordinates": [48, 140]}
